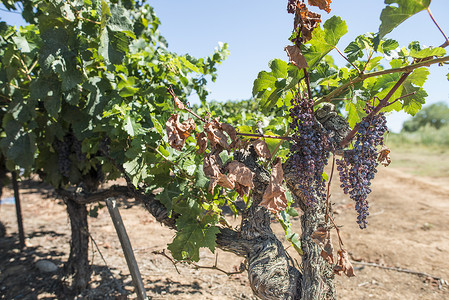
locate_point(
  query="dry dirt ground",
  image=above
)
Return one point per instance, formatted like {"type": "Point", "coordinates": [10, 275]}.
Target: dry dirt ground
{"type": "Point", "coordinates": [408, 229]}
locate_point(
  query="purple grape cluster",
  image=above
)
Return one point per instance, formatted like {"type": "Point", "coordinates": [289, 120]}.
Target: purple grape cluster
{"type": "Point", "coordinates": [310, 150]}
{"type": "Point", "coordinates": [70, 144]}
{"type": "Point", "coordinates": [358, 165]}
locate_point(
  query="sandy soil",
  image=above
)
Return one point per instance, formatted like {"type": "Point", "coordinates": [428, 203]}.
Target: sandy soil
{"type": "Point", "coordinates": [408, 229]}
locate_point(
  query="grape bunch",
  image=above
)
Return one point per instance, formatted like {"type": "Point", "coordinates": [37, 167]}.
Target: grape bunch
{"type": "Point", "coordinates": [358, 165]}
{"type": "Point", "coordinates": [310, 150]}
{"type": "Point", "coordinates": [63, 150]}
{"type": "Point", "coordinates": [70, 144]}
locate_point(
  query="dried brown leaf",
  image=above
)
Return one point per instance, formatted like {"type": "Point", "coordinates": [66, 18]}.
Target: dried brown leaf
{"type": "Point", "coordinates": [201, 141]}
{"type": "Point", "coordinates": [306, 22]}
{"type": "Point", "coordinates": [322, 4]}
{"type": "Point", "coordinates": [230, 130]}
{"type": "Point", "coordinates": [343, 264]}
{"type": "Point", "coordinates": [328, 251]}
{"type": "Point", "coordinates": [178, 103]}
{"type": "Point", "coordinates": [215, 134]}
{"type": "Point", "coordinates": [211, 165]}
{"type": "Point", "coordinates": [225, 181]}
{"type": "Point", "coordinates": [319, 236]}
{"type": "Point", "coordinates": [274, 198]}
{"type": "Point", "coordinates": [296, 57]}
{"type": "Point", "coordinates": [178, 132]}
{"type": "Point", "coordinates": [241, 174]}
{"type": "Point", "coordinates": [261, 148]}
{"type": "Point", "coordinates": [384, 156]}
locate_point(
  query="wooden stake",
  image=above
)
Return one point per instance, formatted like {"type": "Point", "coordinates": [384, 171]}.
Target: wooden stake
{"type": "Point", "coordinates": [15, 186]}
{"type": "Point", "coordinates": [127, 248]}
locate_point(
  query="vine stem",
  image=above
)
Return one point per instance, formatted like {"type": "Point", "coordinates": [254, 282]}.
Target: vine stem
{"type": "Point", "coordinates": [329, 187]}
{"type": "Point", "coordinates": [439, 28]}
{"type": "Point", "coordinates": [172, 93]}
{"type": "Point", "coordinates": [382, 104]}
{"type": "Point", "coordinates": [264, 136]}
{"type": "Point", "coordinates": [329, 97]}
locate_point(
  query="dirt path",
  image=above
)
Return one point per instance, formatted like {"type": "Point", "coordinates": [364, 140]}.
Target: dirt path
{"type": "Point", "coordinates": [408, 228]}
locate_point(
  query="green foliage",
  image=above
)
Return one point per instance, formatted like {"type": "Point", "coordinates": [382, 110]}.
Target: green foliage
{"type": "Point", "coordinates": [96, 72]}
{"type": "Point", "coordinates": [435, 115]}
{"type": "Point", "coordinates": [393, 15]}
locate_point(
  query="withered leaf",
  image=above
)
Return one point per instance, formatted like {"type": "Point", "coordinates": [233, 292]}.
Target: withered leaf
{"type": "Point", "coordinates": [216, 135]}
{"type": "Point", "coordinates": [328, 251]}
{"type": "Point", "coordinates": [307, 21]}
{"type": "Point", "coordinates": [384, 156]}
{"type": "Point", "coordinates": [261, 148]}
{"type": "Point", "coordinates": [319, 236]}
{"type": "Point", "coordinates": [296, 57]}
{"type": "Point", "coordinates": [178, 103]}
{"type": "Point", "coordinates": [274, 198]}
{"type": "Point", "coordinates": [211, 165]}
{"type": "Point", "coordinates": [225, 181]}
{"type": "Point", "coordinates": [343, 264]}
{"type": "Point", "coordinates": [178, 132]}
{"type": "Point", "coordinates": [201, 141]}
{"type": "Point", "coordinates": [221, 180]}
{"type": "Point", "coordinates": [230, 130]}
{"type": "Point", "coordinates": [241, 174]}
{"type": "Point", "coordinates": [322, 4]}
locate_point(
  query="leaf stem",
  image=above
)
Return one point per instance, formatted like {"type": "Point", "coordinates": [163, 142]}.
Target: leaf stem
{"type": "Point", "coordinates": [342, 55]}
{"type": "Point", "coordinates": [172, 93]}
{"type": "Point", "coordinates": [439, 28]}
{"type": "Point", "coordinates": [329, 97]}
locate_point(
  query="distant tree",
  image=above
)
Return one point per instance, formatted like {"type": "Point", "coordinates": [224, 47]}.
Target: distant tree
{"type": "Point", "coordinates": [435, 115]}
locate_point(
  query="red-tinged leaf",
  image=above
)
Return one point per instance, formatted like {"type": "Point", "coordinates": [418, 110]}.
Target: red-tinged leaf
{"type": "Point", "coordinates": [306, 22]}
{"type": "Point", "coordinates": [322, 4]}
{"type": "Point", "coordinates": [296, 57]}
{"type": "Point", "coordinates": [384, 156]}
{"type": "Point", "coordinates": [343, 264]}
{"type": "Point", "coordinates": [201, 141]}
{"type": "Point", "coordinates": [178, 132]}
{"type": "Point", "coordinates": [216, 135]}
{"type": "Point", "coordinates": [274, 198]}
{"type": "Point", "coordinates": [241, 174]}
{"type": "Point", "coordinates": [261, 148]}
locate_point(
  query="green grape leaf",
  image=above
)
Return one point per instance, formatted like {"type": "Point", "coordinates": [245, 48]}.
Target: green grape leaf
{"type": "Point", "coordinates": [324, 40]}
{"type": "Point", "coordinates": [18, 145]}
{"type": "Point", "coordinates": [427, 52]}
{"type": "Point", "coordinates": [192, 236]}
{"type": "Point", "coordinates": [412, 104]}
{"type": "Point", "coordinates": [393, 15]}
{"type": "Point", "coordinates": [166, 197]}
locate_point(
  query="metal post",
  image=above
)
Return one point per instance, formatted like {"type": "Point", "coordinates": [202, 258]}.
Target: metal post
{"type": "Point", "coordinates": [15, 186]}
{"type": "Point", "coordinates": [127, 249]}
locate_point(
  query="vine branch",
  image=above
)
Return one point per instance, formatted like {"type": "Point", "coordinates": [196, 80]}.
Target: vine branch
{"type": "Point", "coordinates": [382, 104]}
{"type": "Point", "coordinates": [329, 97]}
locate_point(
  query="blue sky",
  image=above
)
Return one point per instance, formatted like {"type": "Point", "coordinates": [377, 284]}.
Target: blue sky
{"type": "Point", "coordinates": [257, 32]}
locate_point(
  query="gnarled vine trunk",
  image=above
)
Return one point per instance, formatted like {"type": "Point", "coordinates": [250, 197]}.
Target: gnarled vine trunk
{"type": "Point", "coordinates": [318, 275]}
{"type": "Point", "coordinates": [77, 268]}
